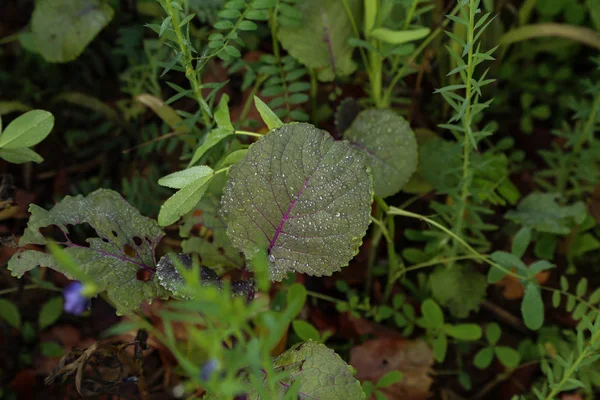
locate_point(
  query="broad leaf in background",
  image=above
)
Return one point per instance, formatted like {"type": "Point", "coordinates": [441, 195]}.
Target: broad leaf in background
{"type": "Point", "coordinates": [321, 41]}
{"type": "Point", "coordinates": [212, 245]}
{"type": "Point", "coordinates": [390, 146]}
{"type": "Point", "coordinates": [63, 28]}
{"type": "Point", "coordinates": [540, 211]}
{"type": "Point", "coordinates": [459, 288]}
{"type": "Point", "coordinates": [321, 373]}
{"type": "Point", "coordinates": [303, 197]}
{"type": "Point", "coordinates": [125, 244]}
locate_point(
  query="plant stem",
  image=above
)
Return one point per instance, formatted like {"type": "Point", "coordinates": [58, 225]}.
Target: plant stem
{"type": "Point", "coordinates": [238, 132]}
{"type": "Point", "coordinates": [466, 122]}
{"type": "Point", "coordinates": [387, 95]}
{"type": "Point", "coordinates": [467, 246]}
{"type": "Point", "coordinates": [186, 53]}
{"type": "Point", "coordinates": [410, 14]}
{"type": "Point", "coordinates": [584, 354]}
{"type": "Point", "coordinates": [26, 287]}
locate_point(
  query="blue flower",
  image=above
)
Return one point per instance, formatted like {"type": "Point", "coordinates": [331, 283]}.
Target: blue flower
{"type": "Point", "coordinates": [209, 368]}
{"type": "Point", "coordinates": [75, 303]}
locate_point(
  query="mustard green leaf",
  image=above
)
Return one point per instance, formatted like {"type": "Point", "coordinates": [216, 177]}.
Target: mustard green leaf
{"type": "Point", "coordinates": [125, 243]}
{"type": "Point", "coordinates": [390, 146]}
{"type": "Point", "coordinates": [303, 197]}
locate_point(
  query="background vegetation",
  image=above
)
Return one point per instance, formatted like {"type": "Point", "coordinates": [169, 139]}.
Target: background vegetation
{"type": "Point", "coordinates": [454, 175]}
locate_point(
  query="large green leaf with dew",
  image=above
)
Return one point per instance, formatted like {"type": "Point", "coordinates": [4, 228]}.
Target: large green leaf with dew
{"type": "Point", "coordinates": [321, 373]}
{"type": "Point", "coordinates": [321, 40]}
{"type": "Point", "coordinates": [459, 288]}
{"type": "Point", "coordinates": [124, 245]}
{"type": "Point", "coordinates": [390, 146]}
{"type": "Point", "coordinates": [211, 244]}
{"type": "Point", "coordinates": [63, 28]}
{"type": "Point", "coordinates": [303, 197]}
{"type": "Point", "coordinates": [540, 211]}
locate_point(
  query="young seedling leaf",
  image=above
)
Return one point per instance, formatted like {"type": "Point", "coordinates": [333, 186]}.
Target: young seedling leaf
{"type": "Point", "coordinates": [27, 130]}
{"type": "Point", "coordinates": [125, 244]}
{"type": "Point", "coordinates": [320, 372]}
{"type": "Point", "coordinates": [303, 197]}
{"type": "Point", "coordinates": [390, 146]}
{"type": "Point", "coordinates": [50, 312]}
{"type": "Point", "coordinates": [62, 29]}
{"type": "Point", "coordinates": [267, 115]}
{"type": "Point", "coordinates": [214, 137]}
{"type": "Point", "coordinates": [181, 179]}
{"type": "Point", "coordinates": [183, 201]}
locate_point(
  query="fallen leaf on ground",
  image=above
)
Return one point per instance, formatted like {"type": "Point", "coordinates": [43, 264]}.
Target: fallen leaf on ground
{"type": "Point", "coordinates": [513, 289]}
{"type": "Point", "coordinates": [375, 358]}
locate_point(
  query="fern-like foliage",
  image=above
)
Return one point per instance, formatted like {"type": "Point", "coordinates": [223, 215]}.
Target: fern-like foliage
{"type": "Point", "coordinates": [285, 86]}
{"type": "Point", "coordinates": [143, 191]}
{"type": "Point", "coordinates": [582, 304]}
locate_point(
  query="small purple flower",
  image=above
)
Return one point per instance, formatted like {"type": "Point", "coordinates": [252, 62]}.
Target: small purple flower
{"type": "Point", "coordinates": [208, 369]}
{"type": "Point", "coordinates": [75, 302]}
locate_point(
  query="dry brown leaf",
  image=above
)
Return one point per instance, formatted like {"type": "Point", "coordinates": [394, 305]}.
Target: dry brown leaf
{"type": "Point", "coordinates": [513, 289]}
{"type": "Point", "coordinates": [375, 358]}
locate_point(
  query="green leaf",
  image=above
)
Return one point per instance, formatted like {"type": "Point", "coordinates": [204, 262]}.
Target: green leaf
{"type": "Point", "coordinates": [521, 242]}
{"type": "Point", "coordinates": [63, 28]}
{"type": "Point", "coordinates": [432, 313]}
{"type": "Point", "coordinates": [390, 146]}
{"type": "Point", "coordinates": [440, 345]}
{"type": "Point", "coordinates": [389, 379]}
{"type": "Point", "coordinates": [540, 211]}
{"type": "Point", "coordinates": [509, 357]}
{"type": "Point", "coordinates": [399, 37]}
{"type": "Point", "coordinates": [320, 40]}
{"type": "Point", "coordinates": [126, 243]}
{"type": "Point", "coordinates": [180, 179]}
{"type": "Point", "coordinates": [532, 307]}
{"type": "Point", "coordinates": [20, 156]}
{"type": "Point", "coordinates": [214, 137]}
{"type": "Point", "coordinates": [584, 35]}
{"type": "Point", "coordinates": [508, 260]}
{"type": "Point", "coordinates": [164, 111]}
{"type": "Point", "coordinates": [221, 113]}
{"type": "Point", "coordinates": [319, 371]}
{"type": "Point", "coordinates": [303, 197]}
{"type": "Point", "coordinates": [234, 157]}
{"type": "Point", "coordinates": [215, 248]}
{"type": "Point", "coordinates": [10, 313]}
{"type": "Point", "coordinates": [51, 349]}
{"type": "Point", "coordinates": [484, 358]}
{"type": "Point", "coordinates": [492, 333]}
{"type": "Point", "coordinates": [460, 288]}
{"type": "Point", "coordinates": [581, 287]}
{"type": "Point", "coordinates": [267, 115]}
{"type": "Point", "coordinates": [539, 266]}
{"type": "Point", "coordinates": [183, 201]}
{"type": "Point", "coordinates": [306, 331]}
{"type": "Point", "coordinates": [495, 274]}
{"type": "Point", "coordinates": [468, 332]}
{"type": "Point", "coordinates": [50, 312]}
{"type": "Point", "coordinates": [7, 107]}
{"type": "Point", "coordinates": [594, 8]}
{"type": "Point", "coordinates": [27, 130]}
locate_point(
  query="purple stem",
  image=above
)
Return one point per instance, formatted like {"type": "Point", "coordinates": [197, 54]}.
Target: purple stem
{"type": "Point", "coordinates": [287, 215]}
